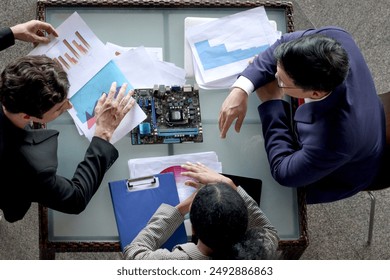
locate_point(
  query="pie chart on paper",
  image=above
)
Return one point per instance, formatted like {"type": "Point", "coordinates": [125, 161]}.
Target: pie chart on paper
{"type": "Point", "coordinates": [183, 190]}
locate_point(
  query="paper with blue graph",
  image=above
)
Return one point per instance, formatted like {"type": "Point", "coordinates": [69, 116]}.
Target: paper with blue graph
{"type": "Point", "coordinates": [91, 71]}
{"type": "Point", "coordinates": [223, 47]}
{"type": "Point", "coordinates": [85, 100]}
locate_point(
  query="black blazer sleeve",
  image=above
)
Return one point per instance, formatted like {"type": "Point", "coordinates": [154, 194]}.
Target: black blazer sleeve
{"type": "Point", "coordinates": [68, 195]}
{"type": "Point", "coordinates": [35, 161]}
{"type": "Point", "coordinates": [7, 38]}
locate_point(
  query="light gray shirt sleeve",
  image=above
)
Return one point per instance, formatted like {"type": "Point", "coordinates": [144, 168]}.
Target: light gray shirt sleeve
{"type": "Point", "coordinates": [258, 219]}
{"type": "Point", "coordinates": [146, 245]}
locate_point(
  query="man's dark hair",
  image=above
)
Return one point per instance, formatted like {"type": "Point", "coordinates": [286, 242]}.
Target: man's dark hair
{"type": "Point", "coordinates": [314, 62]}
{"type": "Point", "coordinates": [219, 218]}
{"type": "Point", "coordinates": [33, 85]}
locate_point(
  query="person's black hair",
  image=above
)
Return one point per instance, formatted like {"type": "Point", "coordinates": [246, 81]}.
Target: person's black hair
{"type": "Point", "coordinates": [314, 62]}
{"type": "Point", "coordinates": [255, 246]}
{"type": "Point", "coordinates": [219, 218]}
{"type": "Point", "coordinates": [33, 85]}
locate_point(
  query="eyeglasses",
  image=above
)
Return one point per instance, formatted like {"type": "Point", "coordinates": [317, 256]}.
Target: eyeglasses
{"type": "Point", "coordinates": [281, 84]}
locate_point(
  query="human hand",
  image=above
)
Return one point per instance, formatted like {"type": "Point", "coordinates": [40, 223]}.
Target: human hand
{"type": "Point", "coordinates": [185, 205]}
{"type": "Point", "coordinates": [203, 175]}
{"type": "Point", "coordinates": [270, 91]}
{"type": "Point", "coordinates": [33, 31]}
{"type": "Point", "coordinates": [234, 107]}
{"type": "Point", "coordinates": [110, 110]}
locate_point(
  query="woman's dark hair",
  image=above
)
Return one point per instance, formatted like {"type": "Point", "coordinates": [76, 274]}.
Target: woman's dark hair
{"type": "Point", "coordinates": [255, 246]}
{"type": "Point", "coordinates": [314, 62]}
{"type": "Point", "coordinates": [33, 85]}
{"type": "Point", "coordinates": [219, 218]}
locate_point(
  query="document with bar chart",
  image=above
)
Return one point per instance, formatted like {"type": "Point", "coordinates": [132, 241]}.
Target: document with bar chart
{"type": "Point", "coordinates": [91, 71]}
{"type": "Point", "coordinates": [78, 50]}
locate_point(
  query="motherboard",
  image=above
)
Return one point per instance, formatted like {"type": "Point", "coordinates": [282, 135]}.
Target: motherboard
{"type": "Point", "coordinates": [173, 115]}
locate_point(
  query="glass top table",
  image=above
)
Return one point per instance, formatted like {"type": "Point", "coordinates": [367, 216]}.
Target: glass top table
{"type": "Point", "coordinates": [131, 25]}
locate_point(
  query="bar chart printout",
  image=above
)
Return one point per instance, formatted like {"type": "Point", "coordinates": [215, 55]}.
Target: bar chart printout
{"type": "Point", "coordinates": [90, 70]}
{"type": "Point", "coordinates": [78, 50]}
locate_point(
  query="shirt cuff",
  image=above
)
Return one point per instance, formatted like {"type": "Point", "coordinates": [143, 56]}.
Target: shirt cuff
{"type": "Point", "coordinates": [245, 84]}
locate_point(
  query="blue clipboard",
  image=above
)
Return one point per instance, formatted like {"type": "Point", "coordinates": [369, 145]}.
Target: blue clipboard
{"type": "Point", "coordinates": [136, 200]}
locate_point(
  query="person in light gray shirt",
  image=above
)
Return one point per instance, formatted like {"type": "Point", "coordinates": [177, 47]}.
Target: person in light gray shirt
{"type": "Point", "coordinates": [226, 221]}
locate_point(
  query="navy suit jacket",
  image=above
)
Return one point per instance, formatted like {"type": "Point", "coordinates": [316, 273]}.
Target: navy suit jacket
{"type": "Point", "coordinates": [334, 146]}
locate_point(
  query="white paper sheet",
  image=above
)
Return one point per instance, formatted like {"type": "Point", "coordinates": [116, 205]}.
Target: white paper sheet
{"type": "Point", "coordinates": [78, 50]}
{"type": "Point", "coordinates": [145, 70]}
{"type": "Point", "coordinates": [116, 50]}
{"type": "Point", "coordinates": [140, 167]}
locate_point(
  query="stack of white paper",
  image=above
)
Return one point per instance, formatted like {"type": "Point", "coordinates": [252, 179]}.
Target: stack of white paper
{"type": "Point", "coordinates": [221, 48]}
{"type": "Point", "coordinates": [145, 68]}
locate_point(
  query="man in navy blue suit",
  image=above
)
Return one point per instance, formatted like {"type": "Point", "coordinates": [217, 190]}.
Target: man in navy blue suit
{"type": "Point", "coordinates": [334, 144]}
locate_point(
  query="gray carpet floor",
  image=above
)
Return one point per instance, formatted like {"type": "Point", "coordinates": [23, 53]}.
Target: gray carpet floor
{"type": "Point", "coordinates": [336, 230]}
